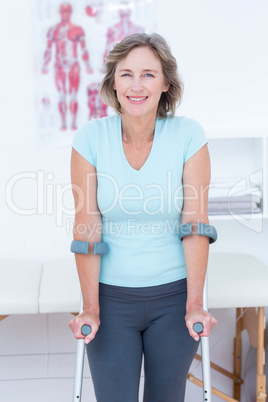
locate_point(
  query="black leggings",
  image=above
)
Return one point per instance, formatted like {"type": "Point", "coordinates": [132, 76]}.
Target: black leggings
{"type": "Point", "coordinates": [137, 321]}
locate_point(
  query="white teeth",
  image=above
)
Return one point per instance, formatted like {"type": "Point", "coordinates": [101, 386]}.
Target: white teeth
{"type": "Point", "coordinates": [137, 99]}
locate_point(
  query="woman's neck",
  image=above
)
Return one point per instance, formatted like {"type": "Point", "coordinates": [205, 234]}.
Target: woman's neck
{"type": "Point", "coordinates": [137, 130]}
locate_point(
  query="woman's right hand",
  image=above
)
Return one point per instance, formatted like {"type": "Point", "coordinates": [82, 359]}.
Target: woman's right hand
{"type": "Point", "coordinates": [90, 317]}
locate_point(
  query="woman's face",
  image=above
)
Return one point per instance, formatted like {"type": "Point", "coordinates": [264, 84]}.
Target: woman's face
{"type": "Point", "coordinates": [139, 83]}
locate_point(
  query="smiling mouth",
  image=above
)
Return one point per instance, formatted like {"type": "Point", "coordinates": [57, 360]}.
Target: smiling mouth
{"type": "Point", "coordinates": [137, 99]}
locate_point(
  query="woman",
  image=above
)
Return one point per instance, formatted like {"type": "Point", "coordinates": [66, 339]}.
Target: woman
{"type": "Point", "coordinates": [127, 172]}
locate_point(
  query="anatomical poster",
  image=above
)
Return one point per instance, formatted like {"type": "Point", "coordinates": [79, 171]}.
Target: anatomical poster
{"type": "Point", "coordinates": [70, 42]}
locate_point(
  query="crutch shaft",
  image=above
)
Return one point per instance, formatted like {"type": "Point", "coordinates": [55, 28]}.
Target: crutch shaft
{"type": "Point", "coordinates": [205, 353]}
{"type": "Point", "coordinates": [79, 365]}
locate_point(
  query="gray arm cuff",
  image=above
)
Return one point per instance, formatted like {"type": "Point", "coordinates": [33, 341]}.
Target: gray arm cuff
{"type": "Point", "coordinates": [203, 229]}
{"type": "Point", "coordinates": [82, 247]}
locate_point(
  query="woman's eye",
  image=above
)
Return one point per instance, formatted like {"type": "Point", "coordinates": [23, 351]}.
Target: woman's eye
{"type": "Point", "coordinates": [126, 75]}
{"type": "Point", "coordinates": [148, 75]}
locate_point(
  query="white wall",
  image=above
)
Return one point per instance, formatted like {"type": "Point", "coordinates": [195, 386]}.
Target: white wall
{"type": "Point", "coordinates": [221, 48]}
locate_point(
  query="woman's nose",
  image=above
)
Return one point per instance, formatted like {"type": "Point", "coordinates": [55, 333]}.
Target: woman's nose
{"type": "Point", "coordinates": [137, 85]}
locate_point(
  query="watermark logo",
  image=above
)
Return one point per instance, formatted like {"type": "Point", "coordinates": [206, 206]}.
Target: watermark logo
{"type": "Point", "coordinates": [132, 202]}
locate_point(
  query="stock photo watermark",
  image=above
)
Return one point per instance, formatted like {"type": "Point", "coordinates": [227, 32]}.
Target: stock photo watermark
{"type": "Point", "coordinates": [131, 200]}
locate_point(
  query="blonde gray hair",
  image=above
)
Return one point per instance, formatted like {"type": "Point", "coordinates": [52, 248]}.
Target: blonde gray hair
{"type": "Point", "coordinates": [169, 100]}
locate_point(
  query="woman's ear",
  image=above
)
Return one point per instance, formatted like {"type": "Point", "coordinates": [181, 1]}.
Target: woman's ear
{"type": "Point", "coordinates": [166, 87]}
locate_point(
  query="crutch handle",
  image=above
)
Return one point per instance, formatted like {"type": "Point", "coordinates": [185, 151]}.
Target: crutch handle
{"type": "Point", "coordinates": [198, 327]}
{"type": "Point", "coordinates": [86, 329]}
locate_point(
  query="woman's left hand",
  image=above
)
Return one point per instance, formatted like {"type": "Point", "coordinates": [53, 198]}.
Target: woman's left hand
{"type": "Point", "coordinates": [198, 314]}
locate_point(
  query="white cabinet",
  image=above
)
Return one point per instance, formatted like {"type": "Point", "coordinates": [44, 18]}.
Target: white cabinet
{"type": "Point", "coordinates": [239, 177]}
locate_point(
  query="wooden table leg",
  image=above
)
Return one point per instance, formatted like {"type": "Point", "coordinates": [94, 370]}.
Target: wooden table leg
{"type": "Point", "coordinates": [261, 377]}
{"type": "Point", "coordinates": [237, 357]}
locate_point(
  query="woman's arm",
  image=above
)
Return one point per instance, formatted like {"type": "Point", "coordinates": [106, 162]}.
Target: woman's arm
{"type": "Point", "coordinates": [87, 227]}
{"type": "Point", "coordinates": [196, 181]}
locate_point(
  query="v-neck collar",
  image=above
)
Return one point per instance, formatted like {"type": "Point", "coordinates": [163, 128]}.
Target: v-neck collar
{"type": "Point", "coordinates": [151, 154]}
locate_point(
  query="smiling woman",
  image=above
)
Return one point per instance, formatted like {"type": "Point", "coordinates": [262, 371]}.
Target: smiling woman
{"type": "Point", "coordinates": [168, 67]}
{"type": "Point", "coordinates": [139, 86]}
{"type": "Point", "coordinates": [141, 171]}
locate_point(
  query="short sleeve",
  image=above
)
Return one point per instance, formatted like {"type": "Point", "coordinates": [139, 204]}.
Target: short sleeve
{"type": "Point", "coordinates": [84, 141]}
{"type": "Point", "coordinates": [194, 137]}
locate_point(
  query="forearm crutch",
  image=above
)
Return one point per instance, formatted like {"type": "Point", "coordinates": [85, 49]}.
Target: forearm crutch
{"type": "Point", "coordinates": [198, 327]}
{"type": "Point", "coordinates": [79, 364]}
{"type": "Point", "coordinates": [203, 229]}
{"type": "Point", "coordinates": [82, 247]}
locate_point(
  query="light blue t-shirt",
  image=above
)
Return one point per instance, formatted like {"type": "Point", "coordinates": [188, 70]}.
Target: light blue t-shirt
{"type": "Point", "coordinates": [141, 209]}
